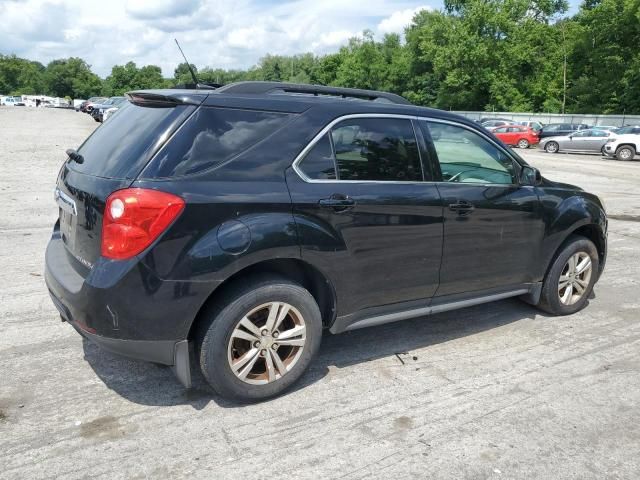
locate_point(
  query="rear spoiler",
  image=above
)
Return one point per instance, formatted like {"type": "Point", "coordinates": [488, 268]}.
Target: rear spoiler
{"type": "Point", "coordinates": [164, 98]}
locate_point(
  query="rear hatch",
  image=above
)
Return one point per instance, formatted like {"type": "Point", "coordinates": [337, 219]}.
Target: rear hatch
{"type": "Point", "coordinates": [110, 159]}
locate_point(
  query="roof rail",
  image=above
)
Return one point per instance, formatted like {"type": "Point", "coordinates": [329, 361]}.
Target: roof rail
{"type": "Point", "coordinates": [299, 88]}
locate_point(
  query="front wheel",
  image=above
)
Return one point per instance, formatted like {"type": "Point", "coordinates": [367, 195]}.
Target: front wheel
{"type": "Point", "coordinates": [523, 143]}
{"type": "Point", "coordinates": [626, 152]}
{"type": "Point", "coordinates": [551, 147]}
{"type": "Point", "coordinates": [570, 279]}
{"type": "Point", "coordinates": [261, 341]}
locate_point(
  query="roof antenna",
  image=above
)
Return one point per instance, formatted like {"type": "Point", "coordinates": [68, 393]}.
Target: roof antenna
{"type": "Point", "coordinates": [193, 74]}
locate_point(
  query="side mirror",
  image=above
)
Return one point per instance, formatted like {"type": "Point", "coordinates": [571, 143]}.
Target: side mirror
{"type": "Point", "coordinates": [530, 176]}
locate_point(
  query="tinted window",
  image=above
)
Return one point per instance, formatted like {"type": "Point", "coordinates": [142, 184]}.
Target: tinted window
{"type": "Point", "coordinates": [501, 130]}
{"type": "Point", "coordinates": [514, 129]}
{"type": "Point", "coordinates": [551, 128]}
{"type": "Point", "coordinates": [120, 148]}
{"type": "Point", "coordinates": [466, 157]}
{"type": "Point", "coordinates": [583, 133]}
{"type": "Point", "coordinates": [627, 130]}
{"type": "Point", "coordinates": [376, 149]}
{"type": "Point", "coordinates": [212, 136]}
{"type": "Point", "coordinates": [318, 163]}
{"type": "Point", "coordinates": [599, 133]}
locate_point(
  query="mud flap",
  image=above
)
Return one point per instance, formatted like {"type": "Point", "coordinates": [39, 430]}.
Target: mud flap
{"type": "Point", "coordinates": [182, 363]}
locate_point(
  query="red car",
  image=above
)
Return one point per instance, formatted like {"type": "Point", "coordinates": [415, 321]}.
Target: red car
{"type": "Point", "coordinates": [516, 135]}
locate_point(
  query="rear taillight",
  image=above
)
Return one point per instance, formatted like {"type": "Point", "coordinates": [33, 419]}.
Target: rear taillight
{"type": "Point", "coordinates": [134, 218]}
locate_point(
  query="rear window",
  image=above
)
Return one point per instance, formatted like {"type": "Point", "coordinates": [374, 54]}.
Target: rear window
{"type": "Point", "coordinates": [121, 147]}
{"type": "Point", "coordinates": [211, 136]}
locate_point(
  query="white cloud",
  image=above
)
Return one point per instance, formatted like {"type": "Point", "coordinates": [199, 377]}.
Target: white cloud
{"type": "Point", "coordinates": [397, 21]}
{"type": "Point", "coordinates": [334, 38]}
{"type": "Point", "coordinates": [152, 9]}
{"type": "Point", "coordinates": [212, 33]}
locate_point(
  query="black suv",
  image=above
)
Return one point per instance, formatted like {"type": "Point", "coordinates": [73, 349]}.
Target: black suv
{"type": "Point", "coordinates": [561, 129]}
{"type": "Point", "coordinates": [240, 223]}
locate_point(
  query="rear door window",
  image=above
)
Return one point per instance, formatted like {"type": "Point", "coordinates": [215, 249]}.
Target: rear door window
{"type": "Point", "coordinates": [381, 149]}
{"type": "Point", "coordinates": [121, 148]}
{"type": "Point", "coordinates": [365, 149]}
{"type": "Point", "coordinates": [212, 136]}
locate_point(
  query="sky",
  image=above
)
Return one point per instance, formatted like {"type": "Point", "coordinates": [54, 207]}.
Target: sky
{"type": "Point", "coordinates": [218, 34]}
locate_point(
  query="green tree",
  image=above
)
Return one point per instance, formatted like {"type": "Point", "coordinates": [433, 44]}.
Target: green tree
{"type": "Point", "coordinates": [71, 77]}
{"type": "Point", "coordinates": [20, 76]}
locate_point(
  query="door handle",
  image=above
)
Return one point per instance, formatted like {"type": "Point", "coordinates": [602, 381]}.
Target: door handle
{"type": "Point", "coordinates": [337, 203]}
{"type": "Point", "coordinates": [462, 207]}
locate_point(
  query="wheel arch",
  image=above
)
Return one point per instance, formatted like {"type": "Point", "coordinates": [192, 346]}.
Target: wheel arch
{"type": "Point", "coordinates": [589, 230]}
{"type": "Point", "coordinates": [294, 269]}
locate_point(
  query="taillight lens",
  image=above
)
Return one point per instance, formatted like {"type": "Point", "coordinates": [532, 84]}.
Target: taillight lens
{"type": "Point", "coordinates": [134, 218]}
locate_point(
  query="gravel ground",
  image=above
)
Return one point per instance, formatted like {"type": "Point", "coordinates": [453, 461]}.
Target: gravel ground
{"type": "Point", "coordinates": [494, 391]}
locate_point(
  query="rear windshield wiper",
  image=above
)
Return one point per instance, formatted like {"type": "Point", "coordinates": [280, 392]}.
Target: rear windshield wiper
{"type": "Point", "coordinates": [75, 156]}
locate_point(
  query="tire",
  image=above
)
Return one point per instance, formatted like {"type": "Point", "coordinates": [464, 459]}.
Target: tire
{"type": "Point", "coordinates": [523, 143]}
{"type": "Point", "coordinates": [625, 152]}
{"type": "Point", "coordinates": [575, 247]}
{"type": "Point", "coordinates": [603, 151]}
{"type": "Point", "coordinates": [223, 341]}
{"type": "Point", "coordinates": [552, 147]}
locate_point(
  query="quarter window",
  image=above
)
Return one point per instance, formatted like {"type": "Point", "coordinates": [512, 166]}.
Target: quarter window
{"type": "Point", "coordinates": [467, 157]}
{"type": "Point", "coordinates": [212, 136]}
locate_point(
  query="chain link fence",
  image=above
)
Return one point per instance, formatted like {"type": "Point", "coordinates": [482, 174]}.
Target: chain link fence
{"type": "Point", "coordinates": [545, 118]}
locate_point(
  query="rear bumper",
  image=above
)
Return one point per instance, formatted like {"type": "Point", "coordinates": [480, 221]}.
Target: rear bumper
{"type": "Point", "coordinates": [124, 308]}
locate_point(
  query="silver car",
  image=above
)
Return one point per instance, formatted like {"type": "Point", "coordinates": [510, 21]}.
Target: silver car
{"type": "Point", "coordinates": [590, 140]}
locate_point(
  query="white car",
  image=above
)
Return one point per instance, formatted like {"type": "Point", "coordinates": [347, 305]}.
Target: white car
{"type": "Point", "coordinates": [10, 101]}
{"type": "Point", "coordinates": [108, 113]}
{"type": "Point", "coordinates": [622, 147]}
{"type": "Point", "coordinates": [533, 125]}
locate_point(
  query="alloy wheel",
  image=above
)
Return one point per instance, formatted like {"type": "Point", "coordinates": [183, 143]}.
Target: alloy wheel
{"type": "Point", "coordinates": [523, 143]}
{"type": "Point", "coordinates": [575, 278]}
{"type": "Point", "coordinates": [266, 343]}
{"type": "Point", "coordinates": [624, 154]}
{"type": "Point", "coordinates": [551, 147]}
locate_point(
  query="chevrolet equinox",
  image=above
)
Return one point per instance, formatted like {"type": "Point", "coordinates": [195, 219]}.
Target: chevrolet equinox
{"type": "Point", "coordinates": [240, 223]}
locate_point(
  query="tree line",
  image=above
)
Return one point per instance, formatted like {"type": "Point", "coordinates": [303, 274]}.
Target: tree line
{"type": "Point", "coordinates": [489, 55]}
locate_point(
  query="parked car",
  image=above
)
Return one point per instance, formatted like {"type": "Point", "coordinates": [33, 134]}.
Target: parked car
{"type": "Point", "coordinates": [628, 129]}
{"type": "Point", "coordinates": [87, 106]}
{"type": "Point", "coordinates": [516, 135]}
{"type": "Point", "coordinates": [610, 128]}
{"type": "Point", "coordinates": [561, 129]}
{"type": "Point", "coordinates": [591, 140]}
{"type": "Point", "coordinates": [99, 109]}
{"type": "Point", "coordinates": [623, 147]}
{"type": "Point", "coordinates": [108, 113]}
{"type": "Point", "coordinates": [488, 119]}
{"type": "Point", "coordinates": [11, 101]}
{"type": "Point", "coordinates": [244, 221]}
{"type": "Point", "coordinates": [496, 123]}
{"type": "Point", "coordinates": [533, 125]}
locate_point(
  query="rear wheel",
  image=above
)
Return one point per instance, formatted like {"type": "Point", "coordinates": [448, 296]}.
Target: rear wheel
{"type": "Point", "coordinates": [626, 152]}
{"type": "Point", "coordinates": [261, 341]}
{"type": "Point", "coordinates": [551, 147]}
{"type": "Point", "coordinates": [523, 143]}
{"type": "Point", "coordinates": [570, 279]}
